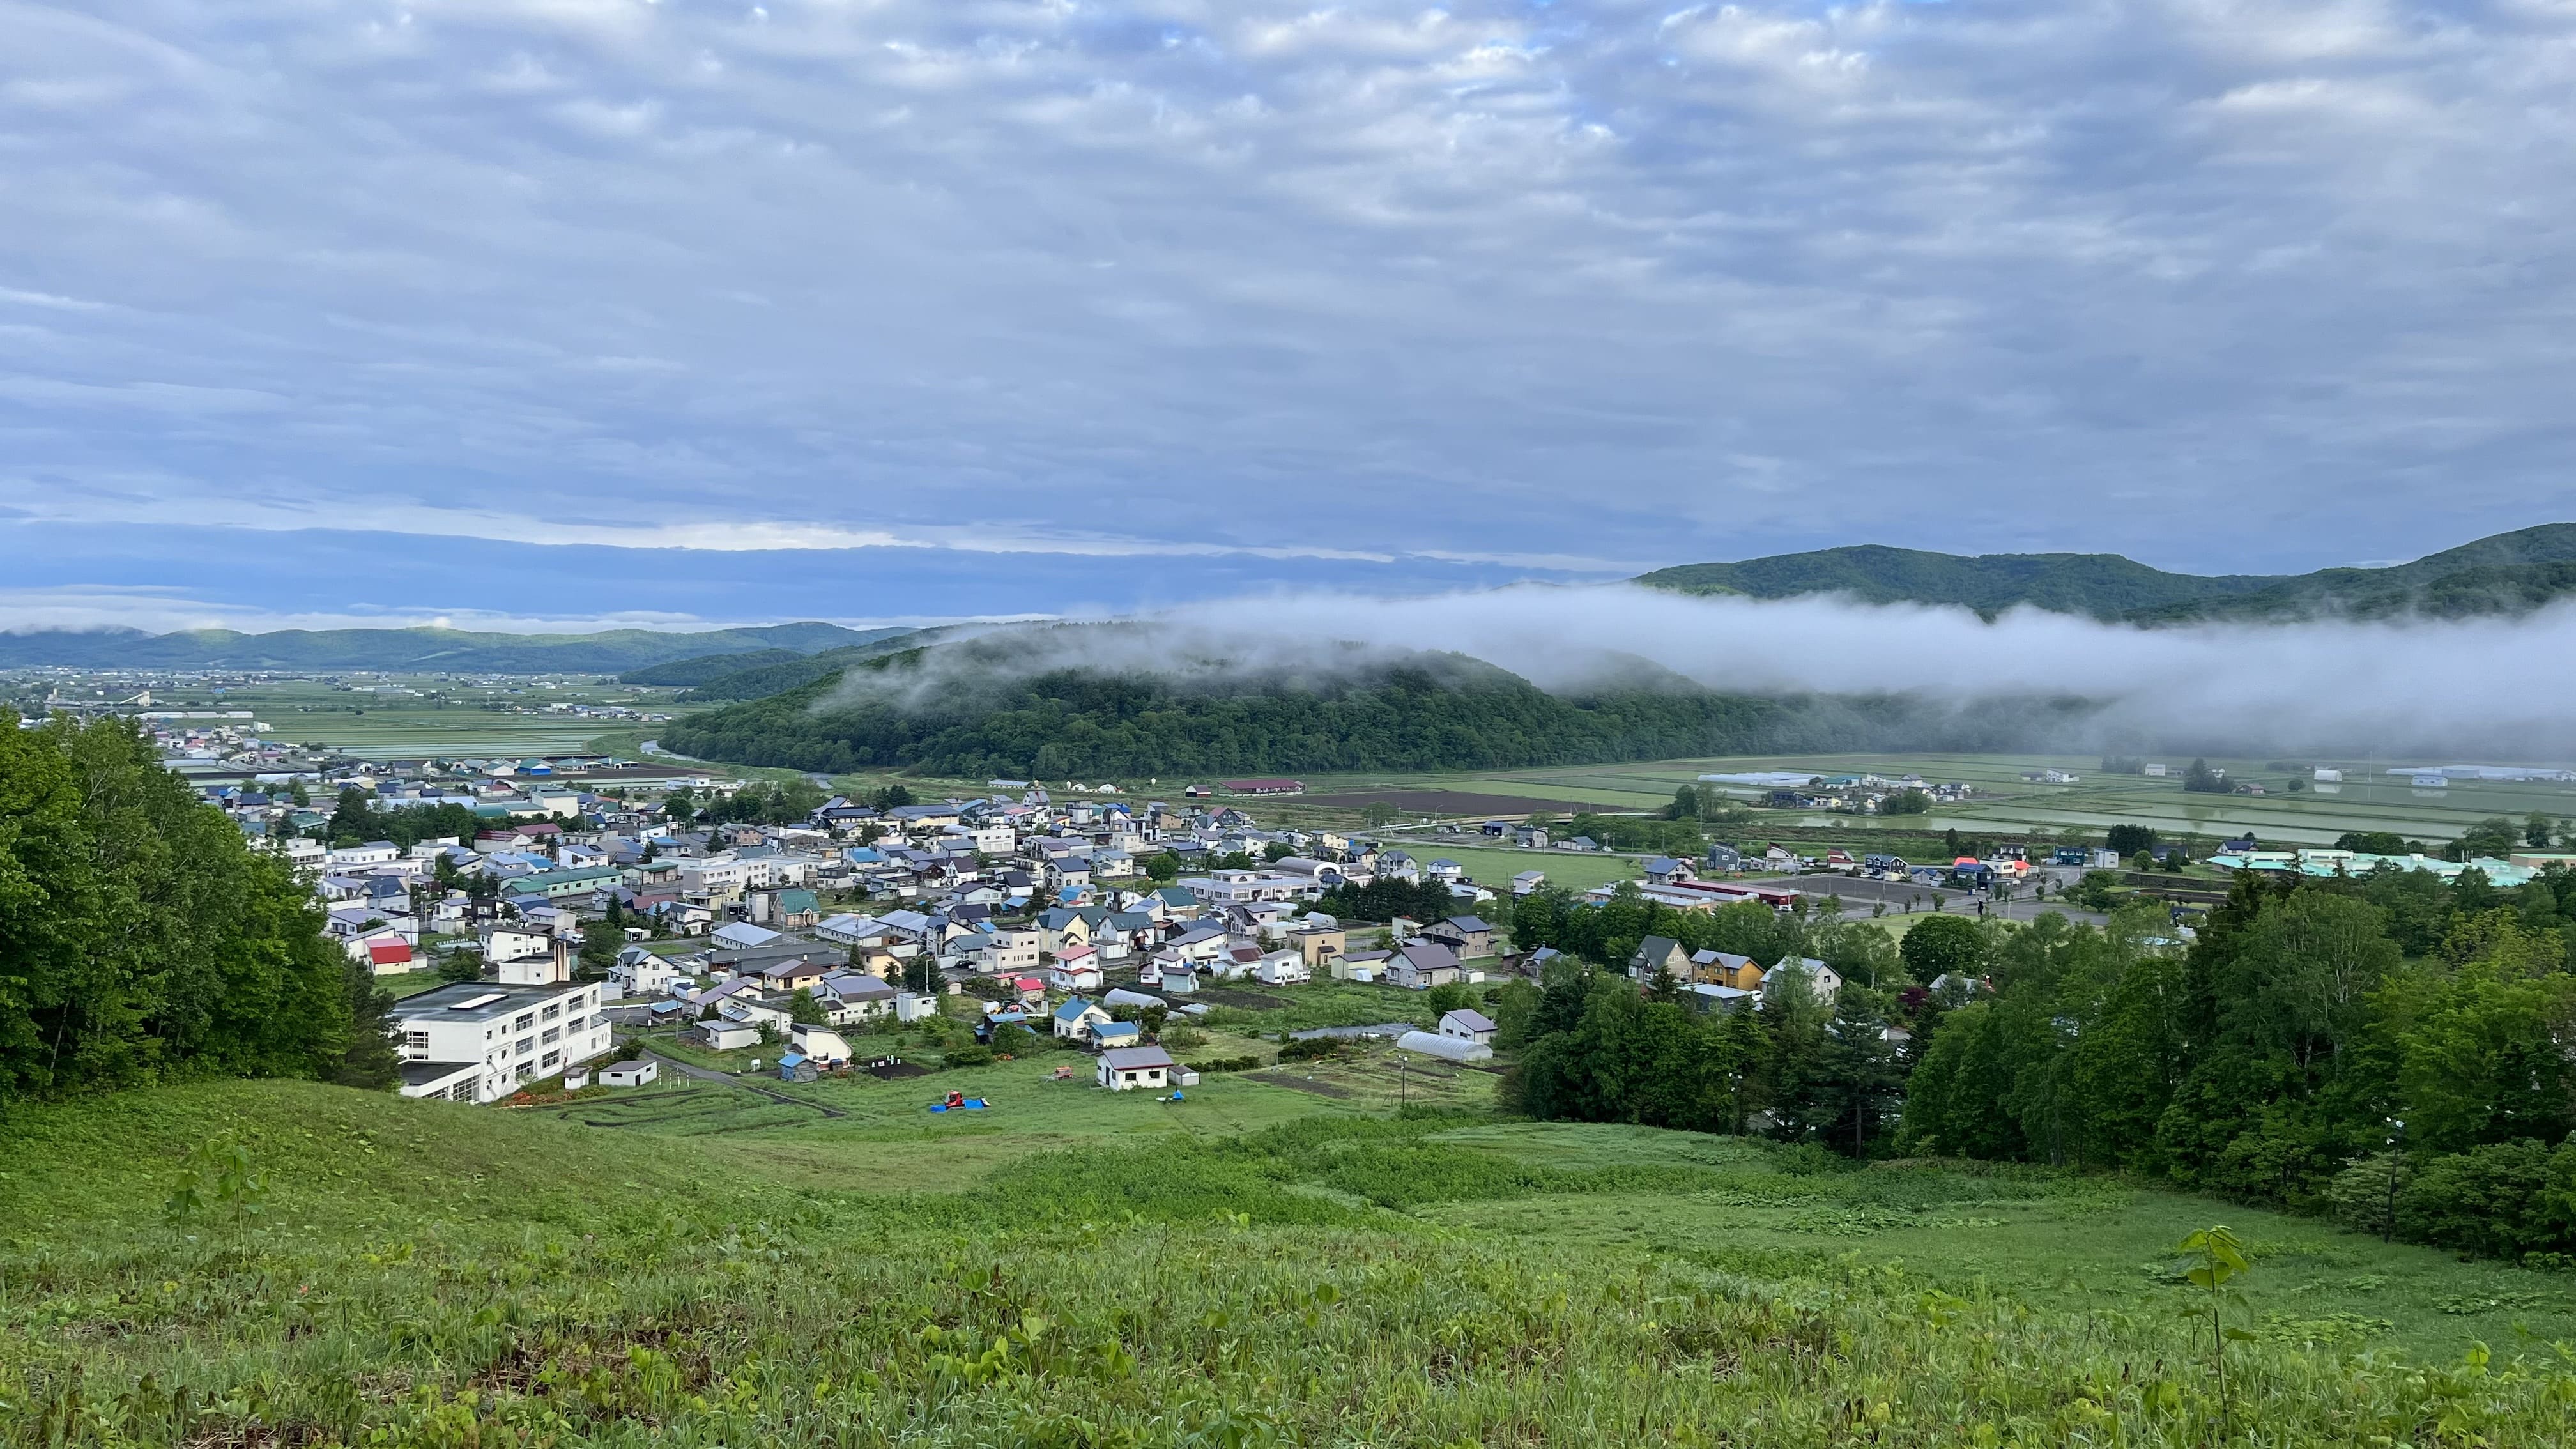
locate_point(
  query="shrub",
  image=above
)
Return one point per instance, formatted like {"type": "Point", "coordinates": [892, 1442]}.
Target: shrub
{"type": "Point", "coordinates": [1313, 1049]}
{"type": "Point", "coordinates": [1226, 1064]}
{"type": "Point", "coordinates": [968, 1056]}
{"type": "Point", "coordinates": [2496, 1200]}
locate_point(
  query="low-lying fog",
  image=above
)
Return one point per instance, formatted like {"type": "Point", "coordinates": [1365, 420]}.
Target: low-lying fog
{"type": "Point", "coordinates": [2502, 686]}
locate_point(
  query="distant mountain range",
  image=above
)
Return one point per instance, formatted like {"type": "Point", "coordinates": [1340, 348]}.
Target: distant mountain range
{"type": "Point", "coordinates": [614, 651]}
{"type": "Point", "coordinates": [2510, 573]}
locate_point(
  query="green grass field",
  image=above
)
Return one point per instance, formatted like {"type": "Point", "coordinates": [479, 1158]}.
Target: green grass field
{"type": "Point", "coordinates": [1260, 1265]}
{"type": "Point", "coordinates": [2005, 803]}
{"type": "Point", "coordinates": [1494, 869]}
{"type": "Point", "coordinates": [402, 716]}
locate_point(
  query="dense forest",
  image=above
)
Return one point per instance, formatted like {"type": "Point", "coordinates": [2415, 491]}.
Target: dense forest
{"type": "Point", "coordinates": [141, 937]}
{"type": "Point", "coordinates": [994, 707]}
{"type": "Point", "coordinates": [2396, 1050]}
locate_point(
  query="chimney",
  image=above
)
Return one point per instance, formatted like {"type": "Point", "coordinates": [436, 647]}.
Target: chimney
{"type": "Point", "coordinates": [563, 960]}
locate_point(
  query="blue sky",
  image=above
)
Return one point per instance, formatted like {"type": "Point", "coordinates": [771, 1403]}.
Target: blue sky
{"type": "Point", "coordinates": [574, 310]}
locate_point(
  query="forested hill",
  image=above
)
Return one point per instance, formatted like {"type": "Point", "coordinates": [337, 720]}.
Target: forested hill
{"type": "Point", "coordinates": [606, 652]}
{"type": "Point", "coordinates": [2508, 573]}
{"type": "Point", "coordinates": [758, 677]}
{"type": "Point", "coordinates": [991, 707]}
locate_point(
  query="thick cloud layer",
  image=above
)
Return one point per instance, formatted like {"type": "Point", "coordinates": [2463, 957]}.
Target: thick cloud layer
{"type": "Point", "coordinates": [2485, 685]}
{"type": "Point", "coordinates": [940, 287]}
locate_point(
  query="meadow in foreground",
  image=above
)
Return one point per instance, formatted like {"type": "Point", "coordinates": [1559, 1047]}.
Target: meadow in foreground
{"type": "Point", "coordinates": [374, 1271]}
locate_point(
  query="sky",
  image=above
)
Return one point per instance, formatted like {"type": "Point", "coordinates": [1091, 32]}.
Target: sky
{"type": "Point", "coordinates": [658, 311]}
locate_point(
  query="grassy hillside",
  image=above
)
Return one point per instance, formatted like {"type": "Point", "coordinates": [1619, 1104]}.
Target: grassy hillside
{"type": "Point", "coordinates": [607, 652]}
{"type": "Point", "coordinates": [2508, 573]}
{"type": "Point", "coordinates": [433, 1275]}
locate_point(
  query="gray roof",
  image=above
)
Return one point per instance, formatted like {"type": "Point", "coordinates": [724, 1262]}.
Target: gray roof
{"type": "Point", "coordinates": [479, 1000]}
{"type": "Point", "coordinates": [1133, 1059]}
{"type": "Point", "coordinates": [421, 1074]}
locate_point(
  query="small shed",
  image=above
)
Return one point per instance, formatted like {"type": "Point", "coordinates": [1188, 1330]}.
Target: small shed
{"type": "Point", "coordinates": [634, 1073]}
{"type": "Point", "coordinates": [1467, 1024]}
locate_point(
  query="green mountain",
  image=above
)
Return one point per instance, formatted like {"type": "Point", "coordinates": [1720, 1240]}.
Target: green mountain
{"type": "Point", "coordinates": [450, 650]}
{"type": "Point", "coordinates": [698, 669]}
{"type": "Point", "coordinates": [1018, 704]}
{"type": "Point", "coordinates": [2508, 573]}
{"type": "Point", "coordinates": [758, 679]}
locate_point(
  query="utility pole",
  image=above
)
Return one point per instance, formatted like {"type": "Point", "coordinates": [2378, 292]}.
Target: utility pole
{"type": "Point", "coordinates": [2396, 1146]}
{"type": "Point", "coordinates": [1403, 1081]}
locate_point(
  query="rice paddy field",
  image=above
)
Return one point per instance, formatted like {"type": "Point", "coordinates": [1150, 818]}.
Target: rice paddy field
{"type": "Point", "coordinates": [1259, 1265]}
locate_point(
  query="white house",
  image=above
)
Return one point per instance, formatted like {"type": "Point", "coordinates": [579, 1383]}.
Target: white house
{"type": "Point", "coordinates": [1468, 1025]}
{"type": "Point", "coordinates": [1076, 969]}
{"type": "Point", "coordinates": [820, 1043]}
{"type": "Point", "coordinates": [642, 973]}
{"type": "Point", "coordinates": [1011, 951]}
{"type": "Point", "coordinates": [473, 1042]}
{"type": "Point", "coordinates": [848, 996]}
{"type": "Point", "coordinates": [553, 967]}
{"type": "Point", "coordinates": [1124, 1069]}
{"type": "Point", "coordinates": [728, 1036]}
{"type": "Point", "coordinates": [1821, 978]}
{"type": "Point", "coordinates": [1283, 968]}
{"type": "Point", "coordinates": [1421, 965]}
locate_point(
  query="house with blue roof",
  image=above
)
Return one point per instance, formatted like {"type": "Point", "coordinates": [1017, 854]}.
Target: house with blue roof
{"type": "Point", "coordinates": [1074, 1020]}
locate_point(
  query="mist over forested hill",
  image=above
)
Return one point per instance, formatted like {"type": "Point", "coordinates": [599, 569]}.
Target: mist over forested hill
{"type": "Point", "coordinates": [2508, 573]}
{"type": "Point", "coordinates": [1050, 703]}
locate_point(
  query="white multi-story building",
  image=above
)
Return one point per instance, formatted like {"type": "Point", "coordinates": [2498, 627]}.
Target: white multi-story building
{"type": "Point", "coordinates": [476, 1042]}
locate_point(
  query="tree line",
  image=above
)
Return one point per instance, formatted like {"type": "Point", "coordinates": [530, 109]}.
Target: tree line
{"type": "Point", "coordinates": [2390, 1047]}
{"type": "Point", "coordinates": [2394, 1049]}
{"type": "Point", "coordinates": [141, 937]}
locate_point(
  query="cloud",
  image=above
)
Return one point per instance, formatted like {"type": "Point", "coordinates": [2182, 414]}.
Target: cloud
{"type": "Point", "coordinates": [2226, 285]}
{"type": "Point", "coordinates": [2341, 686]}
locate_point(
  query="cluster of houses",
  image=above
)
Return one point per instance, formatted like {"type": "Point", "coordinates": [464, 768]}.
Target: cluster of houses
{"type": "Point", "coordinates": [1021, 898]}
{"type": "Point", "coordinates": [1849, 794]}
{"type": "Point", "coordinates": [2520, 868]}
{"type": "Point", "coordinates": [1724, 981]}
